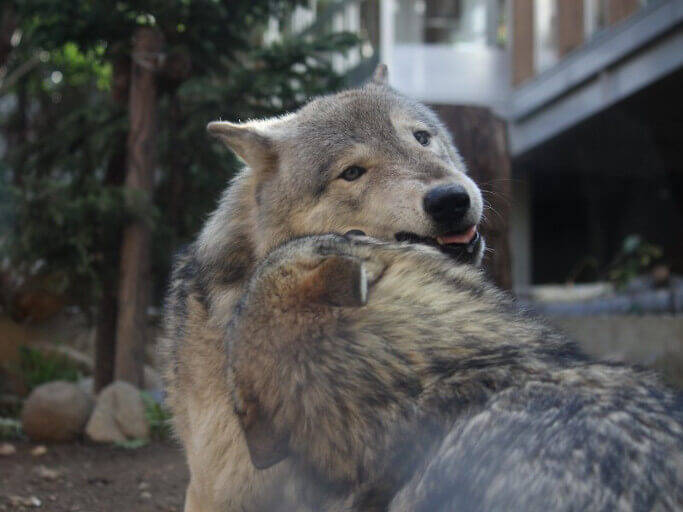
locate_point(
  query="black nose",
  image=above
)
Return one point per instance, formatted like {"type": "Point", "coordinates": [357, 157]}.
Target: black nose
{"type": "Point", "coordinates": [447, 204]}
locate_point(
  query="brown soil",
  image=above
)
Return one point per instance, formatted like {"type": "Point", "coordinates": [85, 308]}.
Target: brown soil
{"type": "Point", "coordinates": [82, 477]}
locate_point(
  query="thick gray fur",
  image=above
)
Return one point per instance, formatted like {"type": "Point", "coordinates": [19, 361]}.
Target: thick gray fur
{"type": "Point", "coordinates": [437, 393]}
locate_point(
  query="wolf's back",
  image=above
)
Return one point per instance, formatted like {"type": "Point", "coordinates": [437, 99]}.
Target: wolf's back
{"type": "Point", "coordinates": [443, 392]}
{"type": "Point", "coordinates": [549, 446]}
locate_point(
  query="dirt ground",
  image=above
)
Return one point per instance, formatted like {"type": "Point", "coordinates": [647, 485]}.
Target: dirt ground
{"type": "Point", "coordinates": [82, 477]}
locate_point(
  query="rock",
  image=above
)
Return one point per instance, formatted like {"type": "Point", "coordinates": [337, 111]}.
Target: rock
{"type": "Point", "coordinates": [87, 384]}
{"type": "Point", "coordinates": [47, 473]}
{"type": "Point", "coordinates": [56, 411]}
{"type": "Point", "coordinates": [18, 501]}
{"type": "Point", "coordinates": [151, 381]}
{"type": "Point", "coordinates": [7, 449]}
{"type": "Point", "coordinates": [119, 415]}
{"type": "Point", "coordinates": [39, 451]}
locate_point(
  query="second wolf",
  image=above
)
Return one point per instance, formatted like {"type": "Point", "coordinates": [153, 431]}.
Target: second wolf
{"type": "Point", "coordinates": [396, 380]}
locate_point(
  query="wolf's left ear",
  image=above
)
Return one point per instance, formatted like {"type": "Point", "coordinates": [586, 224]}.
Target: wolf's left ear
{"type": "Point", "coordinates": [381, 75]}
{"type": "Point", "coordinates": [266, 446]}
{"type": "Point", "coordinates": [251, 144]}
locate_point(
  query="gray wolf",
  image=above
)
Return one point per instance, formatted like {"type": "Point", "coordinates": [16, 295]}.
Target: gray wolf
{"type": "Point", "coordinates": [393, 379]}
{"type": "Point", "coordinates": [367, 160]}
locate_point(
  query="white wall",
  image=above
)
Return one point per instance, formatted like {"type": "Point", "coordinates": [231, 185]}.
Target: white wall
{"type": "Point", "coordinates": [467, 70]}
{"type": "Point", "coordinates": [451, 74]}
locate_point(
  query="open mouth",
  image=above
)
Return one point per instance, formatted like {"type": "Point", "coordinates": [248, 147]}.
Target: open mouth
{"type": "Point", "coordinates": [459, 245]}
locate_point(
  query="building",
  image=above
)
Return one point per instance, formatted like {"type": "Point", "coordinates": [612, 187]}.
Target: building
{"type": "Point", "coordinates": [596, 133]}
{"type": "Point", "coordinates": [590, 92]}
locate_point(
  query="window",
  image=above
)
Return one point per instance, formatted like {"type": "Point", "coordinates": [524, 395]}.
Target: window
{"type": "Point", "coordinates": [474, 22]}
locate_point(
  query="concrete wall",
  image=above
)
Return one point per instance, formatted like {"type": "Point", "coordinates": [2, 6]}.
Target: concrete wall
{"type": "Point", "coordinates": [654, 341]}
{"type": "Point", "coordinates": [520, 231]}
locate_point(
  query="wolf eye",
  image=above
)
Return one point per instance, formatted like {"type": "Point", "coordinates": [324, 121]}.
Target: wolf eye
{"type": "Point", "coordinates": [353, 173]}
{"type": "Point", "coordinates": [422, 137]}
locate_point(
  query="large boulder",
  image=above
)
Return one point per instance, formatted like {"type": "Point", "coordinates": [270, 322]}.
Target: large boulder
{"type": "Point", "coordinates": [87, 384]}
{"type": "Point", "coordinates": [119, 415]}
{"type": "Point", "coordinates": [56, 411]}
{"type": "Point", "coordinates": [151, 382]}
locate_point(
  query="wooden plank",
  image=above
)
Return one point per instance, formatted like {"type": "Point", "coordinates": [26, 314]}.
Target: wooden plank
{"type": "Point", "coordinates": [522, 40]}
{"type": "Point", "coordinates": [570, 30]}
{"type": "Point", "coordinates": [618, 10]}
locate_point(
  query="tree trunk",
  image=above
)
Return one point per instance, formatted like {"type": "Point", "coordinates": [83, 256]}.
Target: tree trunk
{"type": "Point", "coordinates": [8, 24]}
{"type": "Point", "coordinates": [105, 337]}
{"type": "Point", "coordinates": [481, 138]}
{"type": "Point", "coordinates": [105, 333]}
{"type": "Point", "coordinates": [131, 325]}
{"type": "Point", "coordinates": [16, 132]}
{"type": "Point", "coordinates": [105, 330]}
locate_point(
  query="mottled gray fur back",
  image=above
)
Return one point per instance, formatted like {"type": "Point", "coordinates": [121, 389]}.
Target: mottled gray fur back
{"type": "Point", "coordinates": [436, 393]}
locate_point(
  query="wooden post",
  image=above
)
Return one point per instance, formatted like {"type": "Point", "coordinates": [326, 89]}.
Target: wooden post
{"type": "Point", "coordinates": [131, 325]}
{"type": "Point", "coordinates": [569, 25]}
{"type": "Point", "coordinates": [105, 337]}
{"type": "Point", "coordinates": [481, 138]}
{"type": "Point", "coordinates": [618, 10]}
{"type": "Point", "coordinates": [105, 329]}
{"type": "Point", "coordinates": [522, 40]}
{"type": "Point", "coordinates": [107, 314]}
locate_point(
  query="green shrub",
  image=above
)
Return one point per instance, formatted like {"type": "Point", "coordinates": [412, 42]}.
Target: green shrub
{"type": "Point", "coordinates": [131, 444]}
{"type": "Point", "coordinates": [10, 429]}
{"type": "Point", "coordinates": [158, 416]}
{"type": "Point", "coordinates": [634, 258]}
{"type": "Point", "coordinates": [37, 368]}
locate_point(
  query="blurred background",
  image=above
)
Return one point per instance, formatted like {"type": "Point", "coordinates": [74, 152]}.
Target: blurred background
{"type": "Point", "coordinates": [567, 112]}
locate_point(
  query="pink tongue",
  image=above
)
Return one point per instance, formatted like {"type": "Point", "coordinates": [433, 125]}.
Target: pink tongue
{"type": "Point", "coordinates": [461, 238]}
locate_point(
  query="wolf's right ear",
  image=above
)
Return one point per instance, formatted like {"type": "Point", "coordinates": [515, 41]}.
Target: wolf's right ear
{"type": "Point", "coordinates": [253, 146]}
{"type": "Point", "coordinates": [381, 75]}
{"type": "Point", "coordinates": [337, 281]}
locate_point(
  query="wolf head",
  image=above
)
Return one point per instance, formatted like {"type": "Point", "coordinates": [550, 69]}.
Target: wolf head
{"type": "Point", "coordinates": [304, 362]}
{"type": "Point", "coordinates": [337, 349]}
{"type": "Point", "coordinates": [365, 160]}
